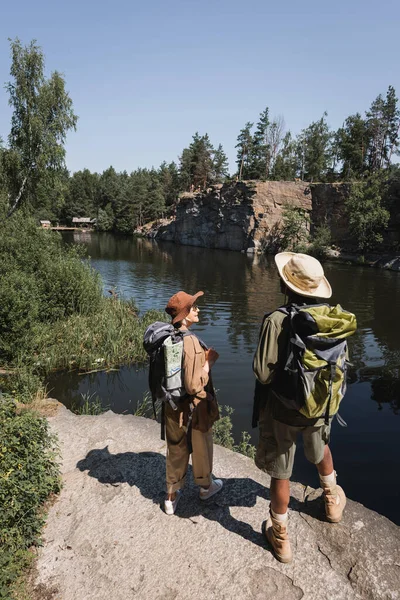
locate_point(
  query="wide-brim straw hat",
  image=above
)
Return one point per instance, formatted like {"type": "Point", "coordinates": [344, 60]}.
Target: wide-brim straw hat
{"type": "Point", "coordinates": [303, 274]}
{"type": "Point", "coordinates": [179, 305]}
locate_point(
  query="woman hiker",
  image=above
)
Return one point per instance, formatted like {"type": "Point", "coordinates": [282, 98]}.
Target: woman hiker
{"type": "Point", "coordinates": [196, 412]}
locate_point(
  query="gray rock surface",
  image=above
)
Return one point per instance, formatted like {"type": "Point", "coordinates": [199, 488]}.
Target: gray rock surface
{"type": "Point", "coordinates": [107, 537]}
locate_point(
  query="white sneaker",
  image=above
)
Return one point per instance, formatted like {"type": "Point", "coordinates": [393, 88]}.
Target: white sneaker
{"type": "Point", "coordinates": [170, 505]}
{"type": "Point", "coordinates": [215, 487]}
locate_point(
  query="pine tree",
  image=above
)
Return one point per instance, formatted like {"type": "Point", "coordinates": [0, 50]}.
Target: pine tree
{"type": "Point", "coordinates": [260, 156]}
{"type": "Point", "coordinates": [170, 181]}
{"type": "Point", "coordinates": [352, 143]}
{"type": "Point", "coordinates": [220, 165]}
{"type": "Point", "coordinates": [155, 205]}
{"type": "Point", "coordinates": [315, 150]}
{"type": "Point", "coordinates": [244, 150]}
{"type": "Point", "coordinates": [202, 164]}
{"type": "Point", "coordinates": [286, 165]}
{"type": "Point", "coordinates": [196, 163]}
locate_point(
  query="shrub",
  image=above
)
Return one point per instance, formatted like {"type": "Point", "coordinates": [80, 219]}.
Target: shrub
{"type": "Point", "coordinates": [28, 475]}
{"type": "Point", "coordinates": [40, 281]}
{"type": "Point", "coordinates": [320, 242]}
{"type": "Point", "coordinates": [19, 312]}
{"type": "Point", "coordinates": [295, 229]}
{"type": "Point", "coordinates": [222, 434]}
{"type": "Point", "coordinates": [365, 211]}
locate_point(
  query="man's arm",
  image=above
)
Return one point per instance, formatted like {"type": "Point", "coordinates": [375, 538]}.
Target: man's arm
{"type": "Point", "coordinates": [265, 359]}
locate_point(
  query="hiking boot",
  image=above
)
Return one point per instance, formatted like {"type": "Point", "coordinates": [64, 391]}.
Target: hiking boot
{"type": "Point", "coordinates": [170, 505]}
{"type": "Point", "coordinates": [335, 501]}
{"type": "Point", "coordinates": [276, 534]}
{"type": "Point", "coordinates": [215, 487]}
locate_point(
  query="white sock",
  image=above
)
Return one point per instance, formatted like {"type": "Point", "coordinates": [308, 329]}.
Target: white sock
{"type": "Point", "coordinates": [280, 517]}
{"type": "Point", "coordinates": [331, 478]}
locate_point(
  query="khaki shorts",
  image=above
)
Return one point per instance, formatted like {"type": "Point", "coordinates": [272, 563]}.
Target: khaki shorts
{"type": "Point", "coordinates": [277, 444]}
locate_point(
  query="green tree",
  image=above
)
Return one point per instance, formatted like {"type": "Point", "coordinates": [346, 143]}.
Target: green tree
{"type": "Point", "coordinates": [315, 150]}
{"type": "Point", "coordinates": [286, 162]}
{"type": "Point", "coordinates": [155, 205]}
{"type": "Point", "coordinates": [82, 198]}
{"type": "Point", "coordinates": [170, 181]}
{"type": "Point", "coordinates": [220, 165]}
{"type": "Point", "coordinates": [274, 139]}
{"type": "Point", "coordinates": [366, 214]}
{"type": "Point", "coordinates": [244, 151]}
{"type": "Point", "coordinates": [260, 157]}
{"type": "Point", "coordinates": [383, 123]}
{"type": "Point", "coordinates": [352, 144]}
{"type": "Point", "coordinates": [202, 163]}
{"type": "Point", "coordinates": [42, 115]}
{"type": "Point", "coordinates": [196, 163]}
{"type": "Point", "coordinates": [295, 228]}
{"type": "Point", "coordinates": [105, 218]}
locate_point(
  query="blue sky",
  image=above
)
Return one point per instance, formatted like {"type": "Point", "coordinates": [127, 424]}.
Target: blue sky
{"type": "Point", "coordinates": [144, 76]}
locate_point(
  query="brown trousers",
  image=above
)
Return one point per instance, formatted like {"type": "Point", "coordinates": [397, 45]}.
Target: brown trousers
{"type": "Point", "coordinates": [178, 454]}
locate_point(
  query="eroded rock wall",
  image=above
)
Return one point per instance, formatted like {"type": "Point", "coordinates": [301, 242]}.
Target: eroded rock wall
{"type": "Point", "coordinates": [237, 216]}
{"type": "Point", "coordinates": [247, 216]}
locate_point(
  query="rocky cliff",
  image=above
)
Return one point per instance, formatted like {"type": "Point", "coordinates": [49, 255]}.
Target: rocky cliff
{"type": "Point", "coordinates": [238, 216]}
{"type": "Point", "coordinates": [247, 216]}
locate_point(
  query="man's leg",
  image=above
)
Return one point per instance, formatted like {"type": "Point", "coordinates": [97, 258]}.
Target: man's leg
{"type": "Point", "coordinates": [325, 467]}
{"type": "Point", "coordinates": [275, 455]}
{"type": "Point", "coordinates": [280, 495]}
{"type": "Point", "coordinates": [316, 441]}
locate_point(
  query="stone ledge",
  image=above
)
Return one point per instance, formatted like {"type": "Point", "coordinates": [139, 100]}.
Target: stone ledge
{"type": "Point", "coordinates": [106, 536]}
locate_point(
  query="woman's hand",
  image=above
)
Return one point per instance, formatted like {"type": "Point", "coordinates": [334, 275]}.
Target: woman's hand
{"type": "Point", "coordinates": [211, 357]}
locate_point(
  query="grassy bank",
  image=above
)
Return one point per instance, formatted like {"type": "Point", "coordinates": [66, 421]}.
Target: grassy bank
{"type": "Point", "coordinates": [53, 314]}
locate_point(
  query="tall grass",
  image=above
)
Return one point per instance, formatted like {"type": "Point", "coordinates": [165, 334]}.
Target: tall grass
{"type": "Point", "coordinates": [110, 337]}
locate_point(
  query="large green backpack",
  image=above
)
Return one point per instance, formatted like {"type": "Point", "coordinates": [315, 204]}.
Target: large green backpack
{"type": "Point", "coordinates": [313, 380]}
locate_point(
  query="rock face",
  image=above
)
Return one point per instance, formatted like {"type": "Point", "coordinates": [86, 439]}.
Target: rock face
{"type": "Point", "coordinates": [247, 216]}
{"type": "Point", "coordinates": [107, 537]}
{"type": "Point", "coordinates": [240, 216]}
{"type": "Point", "coordinates": [328, 200]}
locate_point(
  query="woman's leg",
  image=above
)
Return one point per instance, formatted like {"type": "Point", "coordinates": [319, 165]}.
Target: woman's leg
{"type": "Point", "coordinates": [177, 452]}
{"type": "Point", "coordinates": [202, 457]}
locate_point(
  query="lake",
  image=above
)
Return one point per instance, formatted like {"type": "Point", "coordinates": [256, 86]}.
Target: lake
{"type": "Point", "coordinates": [239, 289]}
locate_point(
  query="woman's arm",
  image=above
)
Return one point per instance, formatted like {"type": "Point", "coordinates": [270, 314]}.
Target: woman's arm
{"type": "Point", "coordinates": [195, 367]}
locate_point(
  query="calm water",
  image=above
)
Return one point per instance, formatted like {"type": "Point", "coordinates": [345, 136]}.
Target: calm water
{"type": "Point", "coordinates": [238, 290]}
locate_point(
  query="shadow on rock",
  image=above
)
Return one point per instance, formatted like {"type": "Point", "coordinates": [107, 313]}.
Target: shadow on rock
{"type": "Point", "coordinates": [146, 471]}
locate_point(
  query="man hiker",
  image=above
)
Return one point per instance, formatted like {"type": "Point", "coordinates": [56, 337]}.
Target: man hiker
{"type": "Point", "coordinates": [292, 399]}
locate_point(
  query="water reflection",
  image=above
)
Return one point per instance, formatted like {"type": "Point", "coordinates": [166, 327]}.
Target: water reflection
{"type": "Point", "coordinates": [239, 289]}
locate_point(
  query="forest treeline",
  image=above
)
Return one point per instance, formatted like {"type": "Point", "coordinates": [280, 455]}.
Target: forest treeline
{"type": "Point", "coordinates": [33, 172]}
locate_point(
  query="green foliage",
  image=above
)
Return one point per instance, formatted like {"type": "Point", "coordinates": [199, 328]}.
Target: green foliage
{"type": "Point", "coordinates": [90, 404]}
{"type": "Point", "coordinates": [383, 125]}
{"type": "Point", "coordinates": [201, 165]}
{"type": "Point", "coordinates": [110, 337]}
{"type": "Point", "coordinates": [260, 149]}
{"type": "Point", "coordinates": [42, 115]}
{"type": "Point", "coordinates": [352, 145]}
{"type": "Point", "coordinates": [315, 150]}
{"type": "Point", "coordinates": [295, 229]}
{"type": "Point", "coordinates": [320, 242]}
{"type": "Point", "coordinates": [144, 407]}
{"type": "Point", "coordinates": [245, 447]}
{"type": "Point", "coordinates": [244, 151]}
{"type": "Point", "coordinates": [28, 475]}
{"type": "Point", "coordinates": [222, 434]}
{"type": "Point", "coordinates": [40, 282]}
{"type": "Point", "coordinates": [366, 214]}
{"type": "Point", "coordinates": [222, 429]}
